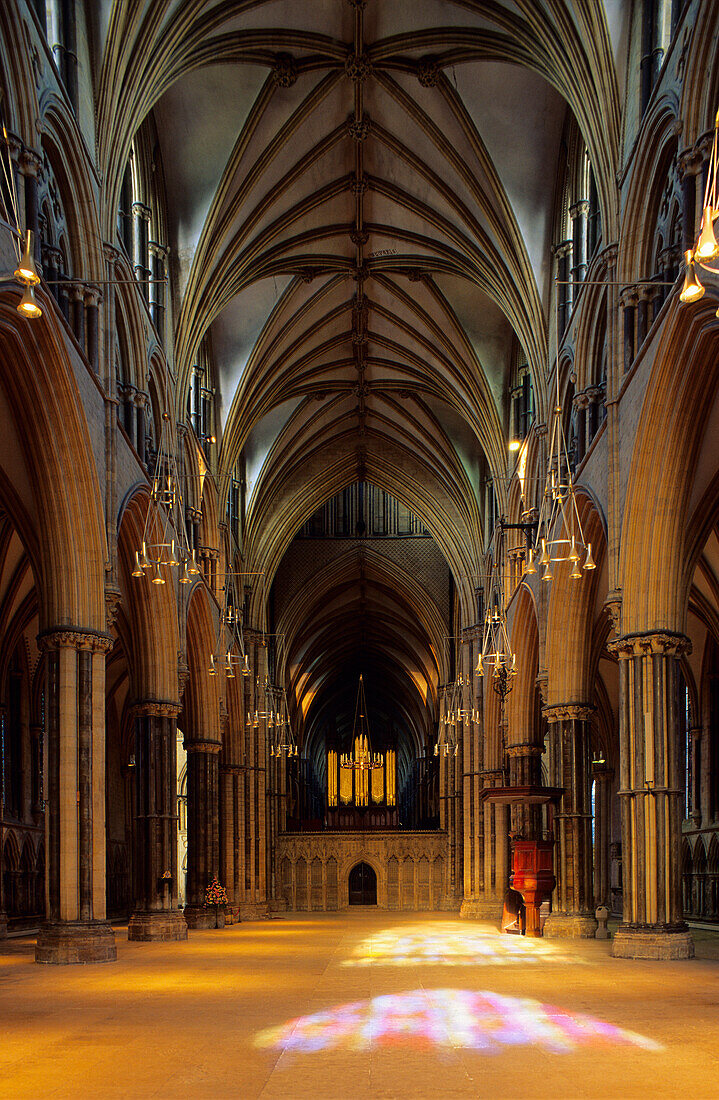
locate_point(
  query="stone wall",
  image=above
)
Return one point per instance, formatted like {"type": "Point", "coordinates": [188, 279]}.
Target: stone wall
{"type": "Point", "coordinates": [313, 869]}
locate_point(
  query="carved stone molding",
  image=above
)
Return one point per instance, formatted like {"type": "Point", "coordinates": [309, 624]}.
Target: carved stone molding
{"type": "Point", "coordinates": [284, 70]}
{"type": "Point", "coordinates": [613, 608]}
{"type": "Point", "coordinates": [359, 128]}
{"type": "Point", "coordinates": [113, 597]}
{"type": "Point", "coordinates": [192, 744]}
{"type": "Point", "coordinates": [666, 643]}
{"type": "Point", "coordinates": [428, 72]}
{"type": "Point", "coordinates": [527, 748]}
{"type": "Point", "coordinates": [566, 712]}
{"type": "Point", "coordinates": [156, 709]}
{"type": "Point", "coordinates": [69, 638]}
{"type": "Point", "coordinates": [358, 67]}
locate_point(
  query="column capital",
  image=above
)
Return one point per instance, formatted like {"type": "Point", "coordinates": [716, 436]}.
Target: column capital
{"type": "Point", "coordinates": [210, 748]}
{"type": "Point", "coordinates": [578, 209]}
{"type": "Point", "coordinates": [613, 608]}
{"type": "Point", "coordinates": [140, 210]}
{"type": "Point", "coordinates": [92, 294]}
{"type": "Point", "coordinates": [112, 255]}
{"type": "Point", "coordinates": [628, 297]}
{"type": "Point", "coordinates": [74, 638]}
{"type": "Point", "coordinates": [527, 748]}
{"type": "Point", "coordinates": [569, 712]}
{"type": "Point", "coordinates": [155, 708]}
{"type": "Point", "coordinates": [30, 162]}
{"type": "Point", "coordinates": [667, 643]}
{"type": "Point", "coordinates": [608, 256]}
{"type": "Point", "coordinates": [689, 163]}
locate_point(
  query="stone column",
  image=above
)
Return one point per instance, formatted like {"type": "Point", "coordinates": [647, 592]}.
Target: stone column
{"type": "Point", "coordinates": [203, 837]}
{"type": "Point", "coordinates": [603, 777]}
{"type": "Point", "coordinates": [141, 244]}
{"type": "Point", "coordinates": [651, 793]}
{"type": "Point", "coordinates": [140, 400]}
{"type": "Point", "coordinates": [581, 404]}
{"type": "Point", "coordinates": [75, 930]}
{"type": "Point", "coordinates": [229, 840]}
{"type": "Point", "coordinates": [690, 164]}
{"type": "Point", "coordinates": [77, 311]}
{"type": "Point", "coordinates": [92, 299]}
{"type": "Point", "coordinates": [30, 165]}
{"type": "Point", "coordinates": [158, 260]}
{"type": "Point", "coordinates": [254, 796]}
{"type": "Point", "coordinates": [472, 763]}
{"type": "Point", "coordinates": [629, 300]}
{"type": "Point", "coordinates": [525, 770]}
{"type": "Point", "coordinates": [573, 911]}
{"type": "Point", "coordinates": [563, 253]}
{"type": "Point", "coordinates": [3, 913]}
{"type": "Point", "coordinates": [155, 915]}
{"type": "Point", "coordinates": [578, 213]}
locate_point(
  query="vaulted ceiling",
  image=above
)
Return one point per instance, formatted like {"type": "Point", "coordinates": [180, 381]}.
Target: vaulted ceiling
{"type": "Point", "coordinates": [361, 197]}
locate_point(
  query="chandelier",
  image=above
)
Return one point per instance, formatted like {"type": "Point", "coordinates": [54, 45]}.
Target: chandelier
{"type": "Point", "coordinates": [456, 713]}
{"type": "Point", "coordinates": [361, 759]}
{"type": "Point", "coordinates": [274, 712]}
{"type": "Point", "coordinates": [166, 504]}
{"type": "Point", "coordinates": [229, 638]}
{"type": "Point", "coordinates": [282, 741]}
{"type": "Point", "coordinates": [26, 273]}
{"type": "Point", "coordinates": [706, 248]}
{"type": "Point", "coordinates": [496, 656]}
{"type": "Point", "coordinates": [229, 651]}
{"type": "Point", "coordinates": [560, 536]}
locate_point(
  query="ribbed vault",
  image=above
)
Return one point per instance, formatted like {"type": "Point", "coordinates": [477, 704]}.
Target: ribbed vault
{"type": "Point", "coordinates": [361, 203]}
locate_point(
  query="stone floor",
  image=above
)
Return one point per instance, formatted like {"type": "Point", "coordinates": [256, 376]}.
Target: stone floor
{"type": "Point", "coordinates": [360, 1004]}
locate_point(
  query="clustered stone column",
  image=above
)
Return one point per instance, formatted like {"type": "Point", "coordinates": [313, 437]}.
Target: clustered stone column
{"type": "Point", "coordinates": [569, 767]}
{"type": "Point", "coordinates": [525, 770]}
{"type": "Point", "coordinates": [253, 802]}
{"type": "Point", "coordinates": [651, 793]}
{"type": "Point", "coordinates": [203, 836]}
{"type": "Point", "coordinates": [472, 762]}
{"type": "Point", "coordinates": [603, 777]}
{"type": "Point", "coordinates": [76, 930]}
{"type": "Point", "coordinates": [156, 916]}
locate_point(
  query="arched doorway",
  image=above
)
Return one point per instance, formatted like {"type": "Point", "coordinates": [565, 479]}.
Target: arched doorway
{"type": "Point", "coordinates": [363, 885]}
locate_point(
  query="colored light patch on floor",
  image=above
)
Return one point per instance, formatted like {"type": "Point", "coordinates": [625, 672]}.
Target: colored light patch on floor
{"type": "Point", "coordinates": [453, 945]}
{"type": "Point", "coordinates": [427, 1019]}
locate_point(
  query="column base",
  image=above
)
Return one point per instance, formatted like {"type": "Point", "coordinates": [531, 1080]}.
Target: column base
{"type": "Point", "coordinates": [254, 910]}
{"type": "Point", "coordinates": [566, 926]}
{"type": "Point", "coordinates": [652, 942]}
{"type": "Point", "coordinates": [3, 925]}
{"type": "Point", "coordinates": [162, 925]}
{"type": "Point", "coordinates": [197, 916]}
{"type": "Point", "coordinates": [450, 903]}
{"type": "Point", "coordinates": [485, 909]}
{"type": "Point", "coordinates": [67, 942]}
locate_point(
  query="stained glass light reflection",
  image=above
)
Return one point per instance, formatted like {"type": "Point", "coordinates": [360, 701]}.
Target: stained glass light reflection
{"type": "Point", "coordinates": [426, 1019]}
{"type": "Point", "coordinates": [449, 944]}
